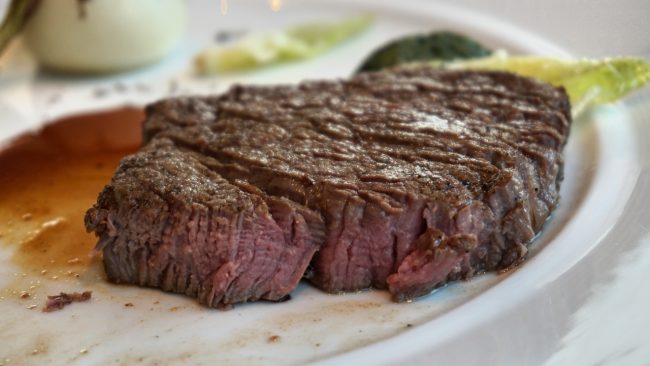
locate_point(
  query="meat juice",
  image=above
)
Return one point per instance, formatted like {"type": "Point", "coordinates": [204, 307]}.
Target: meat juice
{"type": "Point", "coordinates": [48, 179]}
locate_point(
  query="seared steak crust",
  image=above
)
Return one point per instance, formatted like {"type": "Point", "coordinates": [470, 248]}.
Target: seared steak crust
{"type": "Point", "coordinates": [403, 179]}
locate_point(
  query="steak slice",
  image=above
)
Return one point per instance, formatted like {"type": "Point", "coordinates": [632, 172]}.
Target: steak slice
{"type": "Point", "coordinates": [402, 179]}
{"type": "Point", "coordinates": [168, 221]}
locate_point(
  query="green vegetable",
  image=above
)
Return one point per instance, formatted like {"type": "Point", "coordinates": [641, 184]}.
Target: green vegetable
{"type": "Point", "coordinates": [588, 82]}
{"type": "Point", "coordinates": [297, 43]}
{"type": "Point", "coordinates": [15, 19]}
{"type": "Point", "coordinates": [444, 46]}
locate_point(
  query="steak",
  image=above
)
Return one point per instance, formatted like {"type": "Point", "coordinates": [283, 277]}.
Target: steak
{"type": "Point", "coordinates": [402, 180]}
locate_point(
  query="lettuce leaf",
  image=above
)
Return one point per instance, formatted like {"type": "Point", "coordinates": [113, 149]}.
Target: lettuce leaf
{"type": "Point", "coordinates": [587, 82]}
{"type": "Point", "coordinates": [296, 43]}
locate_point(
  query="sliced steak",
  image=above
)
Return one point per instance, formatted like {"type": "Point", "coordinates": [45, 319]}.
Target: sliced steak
{"type": "Point", "coordinates": [402, 179]}
{"type": "Point", "coordinates": [168, 221]}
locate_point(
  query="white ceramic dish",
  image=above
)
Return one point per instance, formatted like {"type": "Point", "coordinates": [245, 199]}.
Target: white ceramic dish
{"type": "Point", "coordinates": [579, 299]}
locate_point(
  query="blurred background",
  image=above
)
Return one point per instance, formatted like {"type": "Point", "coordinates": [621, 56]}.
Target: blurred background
{"type": "Point", "coordinates": [98, 54]}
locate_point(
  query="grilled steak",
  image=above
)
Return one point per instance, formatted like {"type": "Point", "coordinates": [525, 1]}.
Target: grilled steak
{"type": "Point", "coordinates": [402, 179]}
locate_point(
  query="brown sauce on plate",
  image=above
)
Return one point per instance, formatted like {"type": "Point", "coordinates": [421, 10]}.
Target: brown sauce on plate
{"type": "Point", "coordinates": [48, 180]}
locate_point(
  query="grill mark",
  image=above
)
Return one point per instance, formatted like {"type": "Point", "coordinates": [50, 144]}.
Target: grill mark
{"type": "Point", "coordinates": [496, 98]}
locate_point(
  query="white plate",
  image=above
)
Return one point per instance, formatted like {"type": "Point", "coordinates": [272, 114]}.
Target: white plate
{"type": "Point", "coordinates": [579, 299]}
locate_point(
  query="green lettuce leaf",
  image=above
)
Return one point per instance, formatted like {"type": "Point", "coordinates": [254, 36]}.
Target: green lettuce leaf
{"type": "Point", "coordinates": [587, 82]}
{"type": "Point", "coordinates": [296, 43]}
